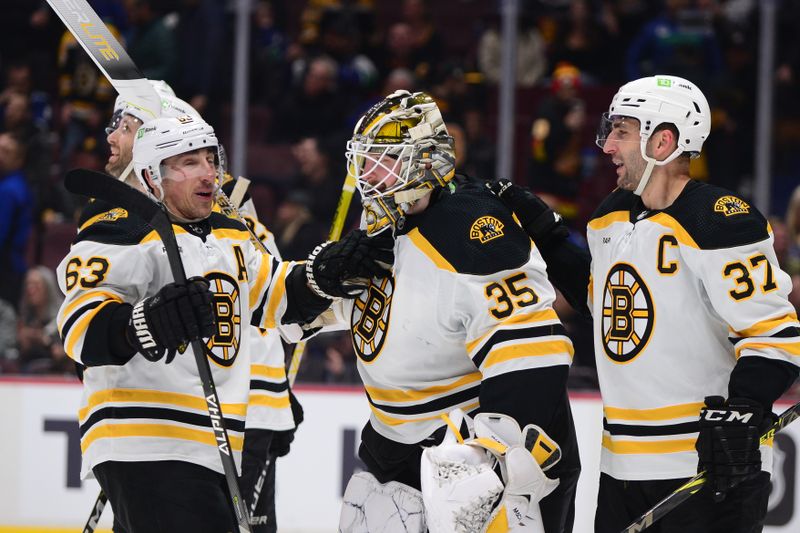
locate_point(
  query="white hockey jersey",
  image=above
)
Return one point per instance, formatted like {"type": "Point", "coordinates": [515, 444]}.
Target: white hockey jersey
{"type": "Point", "coordinates": [469, 301]}
{"type": "Point", "coordinates": [678, 296]}
{"type": "Point", "coordinates": [153, 411]}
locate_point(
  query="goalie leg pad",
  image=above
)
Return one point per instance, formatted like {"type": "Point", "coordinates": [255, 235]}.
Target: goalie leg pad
{"type": "Point", "coordinates": [369, 506]}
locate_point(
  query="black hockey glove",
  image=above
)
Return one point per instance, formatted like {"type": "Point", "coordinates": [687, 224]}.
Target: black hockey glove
{"type": "Point", "coordinates": [342, 269]}
{"type": "Point", "coordinates": [281, 440]}
{"type": "Point", "coordinates": [727, 446]}
{"type": "Point", "coordinates": [175, 315]}
{"type": "Point", "coordinates": [541, 223]}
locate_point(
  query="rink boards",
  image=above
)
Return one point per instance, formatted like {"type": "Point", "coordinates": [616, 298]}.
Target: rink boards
{"type": "Point", "coordinates": [40, 460]}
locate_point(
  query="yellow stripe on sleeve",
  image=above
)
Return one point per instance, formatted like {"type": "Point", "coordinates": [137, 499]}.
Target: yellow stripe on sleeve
{"type": "Point", "coordinates": [520, 319]}
{"type": "Point", "coordinates": [392, 421]}
{"type": "Point", "coordinates": [611, 218]}
{"type": "Point", "coordinates": [790, 348]}
{"type": "Point", "coordinates": [80, 300]}
{"type": "Point", "coordinates": [765, 326]}
{"type": "Point", "coordinates": [261, 278]}
{"type": "Point", "coordinates": [80, 327]}
{"type": "Point", "coordinates": [278, 288]}
{"type": "Point", "coordinates": [528, 349]}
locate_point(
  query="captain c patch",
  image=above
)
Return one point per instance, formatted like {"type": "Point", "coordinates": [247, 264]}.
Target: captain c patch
{"type": "Point", "coordinates": [485, 229]}
{"type": "Point", "coordinates": [731, 205]}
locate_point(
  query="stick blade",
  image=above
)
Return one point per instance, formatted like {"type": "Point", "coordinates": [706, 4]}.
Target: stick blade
{"type": "Point", "coordinates": [94, 184]}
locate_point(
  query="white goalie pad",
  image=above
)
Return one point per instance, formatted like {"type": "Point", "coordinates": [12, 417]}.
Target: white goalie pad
{"type": "Point", "coordinates": [369, 506]}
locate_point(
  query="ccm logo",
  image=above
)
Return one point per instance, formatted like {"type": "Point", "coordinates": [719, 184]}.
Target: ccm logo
{"type": "Point", "coordinates": [715, 415]}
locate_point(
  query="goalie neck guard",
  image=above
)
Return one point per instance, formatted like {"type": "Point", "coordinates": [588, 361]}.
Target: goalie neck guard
{"type": "Point", "coordinates": [400, 151]}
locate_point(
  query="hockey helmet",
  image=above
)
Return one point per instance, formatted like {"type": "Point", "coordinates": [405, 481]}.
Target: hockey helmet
{"type": "Point", "coordinates": [163, 138]}
{"type": "Point", "coordinates": [171, 106]}
{"type": "Point", "coordinates": [657, 100]}
{"type": "Point", "coordinates": [400, 151]}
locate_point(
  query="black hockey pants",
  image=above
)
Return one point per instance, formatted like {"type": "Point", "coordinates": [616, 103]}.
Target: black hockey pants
{"type": "Point", "coordinates": [742, 511]}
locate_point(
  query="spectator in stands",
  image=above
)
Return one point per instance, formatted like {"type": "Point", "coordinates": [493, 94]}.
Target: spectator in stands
{"type": "Point", "coordinates": [681, 41]}
{"type": "Point", "coordinates": [85, 96]}
{"type": "Point", "coordinates": [330, 359]}
{"type": "Point", "coordinates": [269, 72]}
{"type": "Point", "coordinates": [557, 138]}
{"type": "Point", "coordinates": [427, 40]}
{"type": "Point", "coordinates": [297, 231]}
{"type": "Point", "coordinates": [8, 338]}
{"type": "Point", "coordinates": [314, 108]}
{"type": "Point", "coordinates": [316, 157]}
{"type": "Point", "coordinates": [200, 39]}
{"type": "Point", "coordinates": [37, 334]}
{"type": "Point", "coordinates": [481, 154]}
{"type": "Point", "coordinates": [151, 42]}
{"type": "Point", "coordinates": [399, 51]}
{"type": "Point", "coordinates": [582, 40]}
{"type": "Point", "coordinates": [341, 39]}
{"type": "Point", "coordinates": [531, 60]}
{"type": "Point", "coordinates": [16, 212]}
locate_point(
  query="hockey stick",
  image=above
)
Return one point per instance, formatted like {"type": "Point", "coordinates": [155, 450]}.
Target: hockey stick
{"type": "Point", "coordinates": [97, 511]}
{"type": "Point", "coordinates": [106, 52]}
{"type": "Point", "coordinates": [335, 233]}
{"type": "Point", "coordinates": [682, 493]}
{"type": "Point", "coordinates": [98, 185]}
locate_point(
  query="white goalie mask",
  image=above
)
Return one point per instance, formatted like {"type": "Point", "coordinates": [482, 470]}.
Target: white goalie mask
{"type": "Point", "coordinates": [163, 138]}
{"type": "Point", "coordinates": [658, 100]}
{"type": "Point", "coordinates": [400, 151]}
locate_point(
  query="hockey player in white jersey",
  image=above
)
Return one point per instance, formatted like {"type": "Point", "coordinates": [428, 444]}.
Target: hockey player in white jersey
{"type": "Point", "coordinates": [464, 322]}
{"type": "Point", "coordinates": [272, 410]}
{"type": "Point", "coordinates": [694, 336]}
{"type": "Point", "coordinates": [145, 432]}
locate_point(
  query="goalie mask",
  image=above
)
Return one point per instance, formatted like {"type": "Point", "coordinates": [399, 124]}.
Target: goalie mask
{"type": "Point", "coordinates": [399, 152]}
{"type": "Point", "coordinates": [658, 100]}
{"type": "Point", "coordinates": [163, 138]}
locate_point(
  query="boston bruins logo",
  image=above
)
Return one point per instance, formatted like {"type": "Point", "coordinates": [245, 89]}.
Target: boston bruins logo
{"type": "Point", "coordinates": [370, 318]}
{"type": "Point", "coordinates": [485, 229]}
{"type": "Point", "coordinates": [731, 205]}
{"type": "Point", "coordinates": [628, 313]}
{"type": "Point", "coordinates": [223, 347]}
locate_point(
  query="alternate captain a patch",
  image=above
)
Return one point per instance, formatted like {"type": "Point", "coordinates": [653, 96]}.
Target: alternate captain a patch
{"type": "Point", "coordinates": [731, 205]}
{"type": "Point", "coordinates": [485, 229]}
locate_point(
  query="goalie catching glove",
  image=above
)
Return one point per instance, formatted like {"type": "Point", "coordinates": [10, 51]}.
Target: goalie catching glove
{"type": "Point", "coordinates": [729, 440]}
{"type": "Point", "coordinates": [460, 486]}
{"type": "Point", "coordinates": [168, 320]}
{"type": "Point", "coordinates": [541, 223]}
{"type": "Point", "coordinates": [342, 269]}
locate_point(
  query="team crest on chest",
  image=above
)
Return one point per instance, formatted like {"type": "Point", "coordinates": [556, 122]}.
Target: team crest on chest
{"type": "Point", "coordinates": [731, 205]}
{"type": "Point", "coordinates": [223, 347]}
{"type": "Point", "coordinates": [370, 318]}
{"type": "Point", "coordinates": [486, 228]}
{"type": "Point", "coordinates": [628, 313]}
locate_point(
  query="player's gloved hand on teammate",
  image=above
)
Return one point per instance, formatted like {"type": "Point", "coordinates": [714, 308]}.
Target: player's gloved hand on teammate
{"type": "Point", "coordinates": [342, 269]}
{"type": "Point", "coordinates": [728, 443]}
{"type": "Point", "coordinates": [281, 440]}
{"type": "Point", "coordinates": [541, 223]}
{"type": "Point", "coordinates": [175, 315]}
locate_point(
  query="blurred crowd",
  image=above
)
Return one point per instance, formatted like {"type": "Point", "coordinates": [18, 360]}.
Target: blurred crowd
{"type": "Point", "coordinates": [316, 65]}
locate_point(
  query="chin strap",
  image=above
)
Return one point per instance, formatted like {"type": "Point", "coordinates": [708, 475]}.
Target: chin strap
{"type": "Point", "coordinates": [651, 163]}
